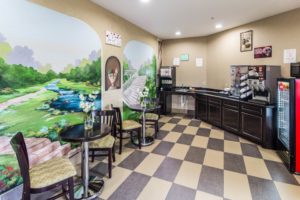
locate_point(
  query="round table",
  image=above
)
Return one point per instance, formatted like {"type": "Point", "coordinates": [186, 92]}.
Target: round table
{"type": "Point", "coordinates": [91, 186]}
{"type": "Point", "coordinates": [146, 140]}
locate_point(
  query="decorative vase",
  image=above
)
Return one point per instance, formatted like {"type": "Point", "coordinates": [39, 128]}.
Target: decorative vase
{"type": "Point", "coordinates": [88, 121]}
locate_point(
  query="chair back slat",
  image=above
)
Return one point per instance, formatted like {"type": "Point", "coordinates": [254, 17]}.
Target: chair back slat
{"type": "Point", "coordinates": [107, 117]}
{"type": "Point", "coordinates": [18, 144]}
{"type": "Point", "coordinates": [118, 116]}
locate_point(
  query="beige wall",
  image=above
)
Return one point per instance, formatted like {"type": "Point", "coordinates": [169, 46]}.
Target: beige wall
{"type": "Point", "coordinates": [101, 20]}
{"type": "Point", "coordinates": [223, 49]}
{"type": "Point", "coordinates": [187, 73]}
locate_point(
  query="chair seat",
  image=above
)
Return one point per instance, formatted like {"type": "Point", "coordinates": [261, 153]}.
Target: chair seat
{"type": "Point", "coordinates": [106, 142]}
{"type": "Point", "coordinates": [151, 116]}
{"type": "Point", "coordinates": [51, 172]}
{"type": "Point", "coordinates": [130, 125]}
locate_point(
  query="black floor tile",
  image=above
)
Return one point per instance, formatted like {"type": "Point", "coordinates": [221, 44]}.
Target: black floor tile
{"type": "Point", "coordinates": [203, 132]}
{"type": "Point", "coordinates": [168, 169]}
{"type": "Point", "coordinates": [230, 136]}
{"type": "Point", "coordinates": [179, 128]}
{"type": "Point", "coordinates": [174, 120]}
{"type": "Point", "coordinates": [161, 134]}
{"type": "Point", "coordinates": [263, 189]}
{"type": "Point", "coordinates": [250, 150]}
{"type": "Point", "coordinates": [234, 163]}
{"type": "Point", "coordinates": [100, 169]}
{"type": "Point", "coordinates": [195, 123]}
{"type": "Point", "coordinates": [133, 160]}
{"type": "Point", "coordinates": [195, 155]}
{"type": "Point", "coordinates": [178, 192]}
{"type": "Point", "coordinates": [211, 180]}
{"type": "Point", "coordinates": [280, 173]}
{"type": "Point", "coordinates": [185, 139]}
{"type": "Point", "coordinates": [163, 148]}
{"type": "Point", "coordinates": [215, 144]}
{"type": "Point", "coordinates": [131, 187]}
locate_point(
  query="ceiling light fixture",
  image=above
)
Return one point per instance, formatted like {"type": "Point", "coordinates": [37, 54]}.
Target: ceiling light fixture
{"type": "Point", "coordinates": [145, 1]}
{"type": "Point", "coordinates": [218, 26]}
{"type": "Point", "coordinates": [178, 33]}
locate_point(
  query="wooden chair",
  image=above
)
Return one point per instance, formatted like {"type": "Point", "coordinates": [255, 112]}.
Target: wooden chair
{"type": "Point", "coordinates": [44, 176]}
{"type": "Point", "coordinates": [153, 117]}
{"type": "Point", "coordinates": [107, 143]}
{"type": "Point", "coordinates": [124, 126]}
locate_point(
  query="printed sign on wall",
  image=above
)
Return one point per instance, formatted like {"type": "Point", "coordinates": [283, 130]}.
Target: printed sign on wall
{"type": "Point", "coordinates": [114, 39]}
{"type": "Point", "coordinates": [263, 52]}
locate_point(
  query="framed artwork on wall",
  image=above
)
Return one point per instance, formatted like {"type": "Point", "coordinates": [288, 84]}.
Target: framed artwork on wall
{"type": "Point", "coordinates": [112, 73]}
{"type": "Point", "coordinates": [246, 41]}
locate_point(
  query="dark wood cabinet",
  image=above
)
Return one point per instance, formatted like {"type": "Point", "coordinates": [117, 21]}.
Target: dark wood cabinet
{"type": "Point", "coordinates": [231, 119]}
{"type": "Point", "coordinates": [201, 107]}
{"type": "Point", "coordinates": [255, 122]}
{"type": "Point", "coordinates": [214, 114]}
{"type": "Point", "coordinates": [252, 126]}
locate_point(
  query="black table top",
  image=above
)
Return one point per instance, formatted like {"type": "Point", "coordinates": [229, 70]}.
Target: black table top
{"type": "Point", "coordinates": [77, 133]}
{"type": "Point", "coordinates": [148, 108]}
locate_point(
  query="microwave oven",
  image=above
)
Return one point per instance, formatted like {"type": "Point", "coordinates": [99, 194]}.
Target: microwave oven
{"type": "Point", "coordinates": [295, 70]}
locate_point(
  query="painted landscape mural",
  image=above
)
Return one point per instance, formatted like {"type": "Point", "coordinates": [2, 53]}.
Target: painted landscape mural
{"type": "Point", "coordinates": [47, 60]}
{"type": "Point", "coordinates": [139, 71]}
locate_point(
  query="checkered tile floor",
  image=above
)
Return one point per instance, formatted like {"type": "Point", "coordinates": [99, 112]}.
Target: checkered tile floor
{"type": "Point", "coordinates": [193, 160]}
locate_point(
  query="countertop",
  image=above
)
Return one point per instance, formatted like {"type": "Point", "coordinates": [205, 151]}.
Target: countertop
{"type": "Point", "coordinates": [213, 93]}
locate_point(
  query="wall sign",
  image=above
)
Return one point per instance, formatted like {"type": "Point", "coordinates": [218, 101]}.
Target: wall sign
{"type": "Point", "coordinates": [289, 56]}
{"type": "Point", "coordinates": [199, 62]}
{"type": "Point", "coordinates": [176, 61]}
{"type": "Point", "coordinates": [114, 39]}
{"type": "Point", "coordinates": [263, 52]}
{"type": "Point", "coordinates": [184, 57]}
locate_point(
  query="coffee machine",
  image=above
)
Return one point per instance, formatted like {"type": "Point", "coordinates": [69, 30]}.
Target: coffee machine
{"type": "Point", "coordinates": [262, 81]}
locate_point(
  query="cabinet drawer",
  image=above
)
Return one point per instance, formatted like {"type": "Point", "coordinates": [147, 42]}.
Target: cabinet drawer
{"type": "Point", "coordinates": [252, 109]}
{"type": "Point", "coordinates": [201, 97]}
{"type": "Point", "coordinates": [214, 100]}
{"type": "Point", "coordinates": [231, 104]}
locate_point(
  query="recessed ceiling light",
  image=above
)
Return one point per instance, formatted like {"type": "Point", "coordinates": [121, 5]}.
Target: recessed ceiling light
{"type": "Point", "coordinates": [178, 33]}
{"type": "Point", "coordinates": [144, 1]}
{"type": "Point", "coordinates": [218, 26]}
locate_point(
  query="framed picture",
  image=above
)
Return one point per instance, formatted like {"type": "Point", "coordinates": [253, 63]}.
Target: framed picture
{"type": "Point", "coordinates": [112, 73]}
{"type": "Point", "coordinates": [246, 43]}
{"type": "Point", "coordinates": [263, 52]}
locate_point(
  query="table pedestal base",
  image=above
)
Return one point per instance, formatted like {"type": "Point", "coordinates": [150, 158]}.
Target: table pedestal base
{"type": "Point", "coordinates": [96, 186]}
{"type": "Point", "coordinates": [148, 140]}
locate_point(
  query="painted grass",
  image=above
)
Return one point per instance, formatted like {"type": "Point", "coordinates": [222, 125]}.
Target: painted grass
{"type": "Point", "coordinates": [80, 86]}
{"type": "Point", "coordinates": [27, 119]}
{"type": "Point", "coordinates": [20, 92]}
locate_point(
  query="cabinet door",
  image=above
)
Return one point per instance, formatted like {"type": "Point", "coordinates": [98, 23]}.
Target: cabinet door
{"type": "Point", "coordinates": [202, 110]}
{"type": "Point", "coordinates": [214, 114]}
{"type": "Point", "coordinates": [252, 126]}
{"type": "Point", "coordinates": [231, 119]}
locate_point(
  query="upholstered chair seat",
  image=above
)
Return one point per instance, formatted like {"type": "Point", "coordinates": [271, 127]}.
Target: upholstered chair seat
{"type": "Point", "coordinates": [151, 116]}
{"type": "Point", "coordinates": [106, 142]}
{"type": "Point", "coordinates": [130, 125]}
{"type": "Point", "coordinates": [50, 172]}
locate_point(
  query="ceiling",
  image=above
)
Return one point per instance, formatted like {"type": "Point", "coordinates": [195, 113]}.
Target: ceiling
{"type": "Point", "coordinates": [193, 18]}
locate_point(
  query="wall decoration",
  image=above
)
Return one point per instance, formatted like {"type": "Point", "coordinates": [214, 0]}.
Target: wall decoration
{"type": "Point", "coordinates": [199, 62]}
{"type": "Point", "coordinates": [184, 57]}
{"type": "Point", "coordinates": [112, 73]}
{"type": "Point", "coordinates": [139, 70]}
{"type": "Point", "coordinates": [263, 52]}
{"type": "Point", "coordinates": [114, 39]}
{"type": "Point", "coordinates": [246, 41]}
{"type": "Point", "coordinates": [45, 64]}
{"type": "Point", "coordinates": [289, 56]}
{"type": "Point", "coordinates": [176, 62]}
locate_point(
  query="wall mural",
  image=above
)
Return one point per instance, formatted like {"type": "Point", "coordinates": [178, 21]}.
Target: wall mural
{"type": "Point", "coordinates": [112, 73]}
{"type": "Point", "coordinates": [139, 71]}
{"type": "Point", "coordinates": [46, 60]}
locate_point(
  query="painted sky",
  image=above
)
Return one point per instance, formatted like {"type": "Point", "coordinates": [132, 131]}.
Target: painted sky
{"type": "Point", "coordinates": [55, 38]}
{"type": "Point", "coordinates": [138, 53]}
